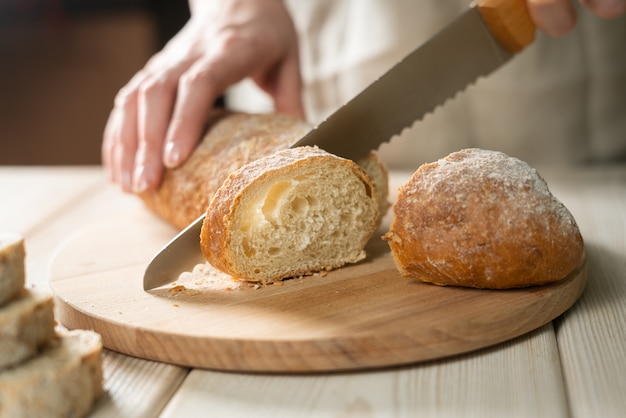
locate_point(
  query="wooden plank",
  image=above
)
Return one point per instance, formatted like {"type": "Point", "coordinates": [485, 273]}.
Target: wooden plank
{"type": "Point", "coordinates": [136, 388]}
{"type": "Point", "coordinates": [32, 197]}
{"type": "Point", "coordinates": [520, 378]}
{"type": "Point", "coordinates": [592, 335]}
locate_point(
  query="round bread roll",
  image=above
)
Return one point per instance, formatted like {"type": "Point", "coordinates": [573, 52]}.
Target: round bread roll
{"type": "Point", "coordinates": [482, 219]}
{"type": "Point", "coordinates": [293, 213]}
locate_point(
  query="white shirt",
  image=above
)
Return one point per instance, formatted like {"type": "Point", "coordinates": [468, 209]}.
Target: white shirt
{"type": "Point", "coordinates": [559, 101]}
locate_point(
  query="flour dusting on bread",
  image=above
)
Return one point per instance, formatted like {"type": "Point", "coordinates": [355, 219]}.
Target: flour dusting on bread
{"type": "Point", "coordinates": [482, 219]}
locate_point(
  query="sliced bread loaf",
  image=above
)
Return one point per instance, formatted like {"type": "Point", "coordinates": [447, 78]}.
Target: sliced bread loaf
{"type": "Point", "coordinates": [292, 213]}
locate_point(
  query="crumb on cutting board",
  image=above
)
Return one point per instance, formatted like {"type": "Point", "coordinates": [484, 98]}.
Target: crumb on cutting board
{"type": "Point", "coordinates": [201, 278]}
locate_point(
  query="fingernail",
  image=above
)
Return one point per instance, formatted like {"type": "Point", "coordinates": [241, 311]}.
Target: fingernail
{"type": "Point", "coordinates": [140, 183]}
{"type": "Point", "coordinates": [172, 155]}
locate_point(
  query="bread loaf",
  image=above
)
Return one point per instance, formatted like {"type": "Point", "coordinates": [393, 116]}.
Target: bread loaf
{"type": "Point", "coordinates": [12, 274]}
{"type": "Point", "coordinates": [231, 140]}
{"type": "Point", "coordinates": [63, 381]}
{"type": "Point", "coordinates": [292, 213]}
{"type": "Point", "coordinates": [26, 324]}
{"type": "Point", "coordinates": [482, 219]}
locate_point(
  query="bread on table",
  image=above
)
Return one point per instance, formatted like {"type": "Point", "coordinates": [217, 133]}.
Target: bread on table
{"type": "Point", "coordinates": [480, 218]}
{"type": "Point", "coordinates": [295, 212]}
{"type": "Point", "coordinates": [11, 266]}
{"type": "Point", "coordinates": [63, 381]}
{"type": "Point", "coordinates": [26, 324]}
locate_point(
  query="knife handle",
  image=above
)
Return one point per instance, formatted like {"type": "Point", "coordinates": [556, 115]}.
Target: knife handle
{"type": "Point", "coordinates": [509, 22]}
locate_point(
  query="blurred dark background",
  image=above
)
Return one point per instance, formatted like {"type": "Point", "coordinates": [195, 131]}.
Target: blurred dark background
{"type": "Point", "coordinates": [61, 64]}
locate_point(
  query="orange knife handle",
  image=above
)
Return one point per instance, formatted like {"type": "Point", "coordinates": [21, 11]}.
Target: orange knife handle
{"type": "Point", "coordinates": [509, 22]}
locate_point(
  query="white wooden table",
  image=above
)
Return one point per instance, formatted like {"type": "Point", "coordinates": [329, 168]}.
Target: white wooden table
{"type": "Point", "coordinates": [574, 366]}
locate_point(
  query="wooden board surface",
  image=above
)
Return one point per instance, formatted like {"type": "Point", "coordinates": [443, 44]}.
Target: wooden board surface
{"type": "Point", "coordinates": [358, 317]}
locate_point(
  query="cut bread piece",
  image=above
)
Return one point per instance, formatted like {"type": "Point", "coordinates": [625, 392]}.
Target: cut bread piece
{"type": "Point", "coordinates": [63, 381]}
{"type": "Point", "coordinates": [293, 213]}
{"type": "Point", "coordinates": [12, 276]}
{"type": "Point", "coordinates": [26, 324]}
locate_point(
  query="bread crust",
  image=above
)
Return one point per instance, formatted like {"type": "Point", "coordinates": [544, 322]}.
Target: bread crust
{"type": "Point", "coordinates": [231, 140]}
{"type": "Point", "coordinates": [12, 269]}
{"type": "Point", "coordinates": [482, 219]}
{"type": "Point", "coordinates": [217, 229]}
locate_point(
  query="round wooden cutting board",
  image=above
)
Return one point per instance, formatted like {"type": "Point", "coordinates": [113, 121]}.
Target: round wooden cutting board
{"type": "Point", "coordinates": [358, 317]}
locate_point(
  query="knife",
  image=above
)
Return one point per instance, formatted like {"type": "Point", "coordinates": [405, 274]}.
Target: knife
{"type": "Point", "coordinates": [476, 43]}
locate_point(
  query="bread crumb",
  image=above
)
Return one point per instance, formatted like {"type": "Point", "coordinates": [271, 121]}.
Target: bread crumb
{"type": "Point", "coordinates": [176, 289]}
{"type": "Point", "coordinates": [203, 277]}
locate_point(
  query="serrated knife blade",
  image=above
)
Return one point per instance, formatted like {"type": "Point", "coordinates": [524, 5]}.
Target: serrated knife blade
{"type": "Point", "coordinates": [473, 45]}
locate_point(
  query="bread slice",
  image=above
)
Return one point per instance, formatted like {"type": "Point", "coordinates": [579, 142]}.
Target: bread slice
{"type": "Point", "coordinates": [63, 381]}
{"type": "Point", "coordinates": [26, 324]}
{"type": "Point", "coordinates": [292, 213]}
{"type": "Point", "coordinates": [12, 274]}
{"type": "Point", "coordinates": [480, 218]}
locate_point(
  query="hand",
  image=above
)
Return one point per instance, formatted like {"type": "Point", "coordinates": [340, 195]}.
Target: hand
{"type": "Point", "coordinates": [558, 17]}
{"type": "Point", "coordinates": [158, 117]}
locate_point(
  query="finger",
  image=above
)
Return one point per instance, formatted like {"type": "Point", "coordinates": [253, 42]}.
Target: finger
{"type": "Point", "coordinates": [155, 100]}
{"type": "Point", "coordinates": [229, 62]}
{"type": "Point", "coordinates": [607, 9]}
{"type": "Point", "coordinates": [197, 90]}
{"type": "Point", "coordinates": [106, 150]}
{"type": "Point", "coordinates": [120, 135]}
{"type": "Point", "coordinates": [287, 89]}
{"type": "Point", "coordinates": [554, 17]}
{"type": "Point", "coordinates": [124, 138]}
